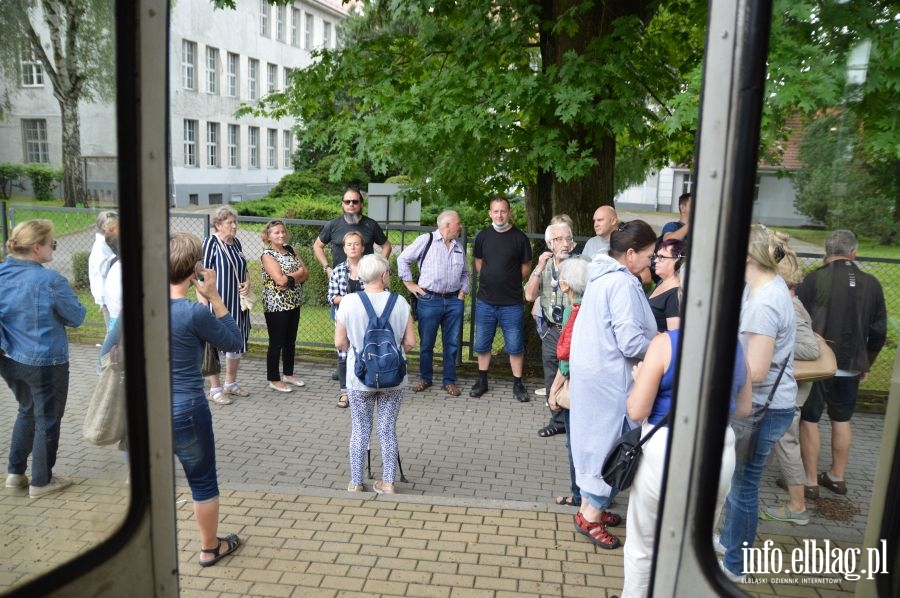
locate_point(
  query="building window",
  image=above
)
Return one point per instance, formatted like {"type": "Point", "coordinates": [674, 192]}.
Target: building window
{"type": "Point", "coordinates": [272, 147]}
{"type": "Point", "coordinates": [212, 145]}
{"type": "Point", "coordinates": [253, 146]}
{"type": "Point", "coordinates": [272, 78]}
{"type": "Point", "coordinates": [295, 27]}
{"type": "Point", "coordinates": [32, 69]}
{"type": "Point", "coordinates": [194, 199]}
{"type": "Point", "coordinates": [280, 18]}
{"type": "Point", "coordinates": [287, 147]}
{"type": "Point", "coordinates": [286, 82]}
{"type": "Point", "coordinates": [188, 64]}
{"type": "Point", "coordinates": [212, 70]}
{"type": "Point", "coordinates": [308, 32]}
{"type": "Point", "coordinates": [756, 188]}
{"type": "Point", "coordinates": [326, 34]}
{"type": "Point", "coordinates": [34, 138]}
{"type": "Point", "coordinates": [215, 199]}
{"type": "Point", "coordinates": [264, 18]}
{"type": "Point", "coordinates": [231, 76]}
{"type": "Point", "coordinates": [190, 142]}
{"type": "Point", "coordinates": [234, 146]}
{"type": "Point", "coordinates": [687, 183]}
{"type": "Point", "coordinates": [253, 78]}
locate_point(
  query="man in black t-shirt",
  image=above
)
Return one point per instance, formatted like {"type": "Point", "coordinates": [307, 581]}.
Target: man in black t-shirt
{"type": "Point", "coordinates": [502, 260]}
{"type": "Point", "coordinates": [351, 220]}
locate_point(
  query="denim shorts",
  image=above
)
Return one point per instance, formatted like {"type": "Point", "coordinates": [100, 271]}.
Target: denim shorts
{"type": "Point", "coordinates": [510, 318]}
{"type": "Point", "coordinates": [838, 394]}
{"type": "Point", "coordinates": [195, 447]}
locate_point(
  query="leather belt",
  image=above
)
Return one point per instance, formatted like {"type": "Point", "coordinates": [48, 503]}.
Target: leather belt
{"type": "Point", "coordinates": [442, 295]}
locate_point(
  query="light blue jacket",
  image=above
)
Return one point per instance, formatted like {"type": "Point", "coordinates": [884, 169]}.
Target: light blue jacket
{"type": "Point", "coordinates": [36, 304]}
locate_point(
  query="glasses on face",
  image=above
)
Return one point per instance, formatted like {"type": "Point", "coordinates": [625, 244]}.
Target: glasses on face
{"type": "Point", "coordinates": [558, 239]}
{"type": "Point", "coordinates": [350, 202]}
{"type": "Point", "coordinates": [53, 245]}
{"type": "Point", "coordinates": [657, 256]}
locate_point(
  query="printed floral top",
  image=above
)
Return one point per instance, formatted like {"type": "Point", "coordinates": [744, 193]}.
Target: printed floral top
{"type": "Point", "coordinates": [275, 299]}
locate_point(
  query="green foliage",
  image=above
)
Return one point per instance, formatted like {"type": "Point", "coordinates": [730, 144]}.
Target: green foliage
{"type": "Point", "coordinates": [80, 279]}
{"type": "Point", "coordinates": [10, 178]}
{"type": "Point", "coordinates": [44, 180]}
{"type": "Point", "coordinates": [315, 289]}
{"type": "Point", "coordinates": [843, 183]}
{"type": "Point", "coordinates": [301, 183]}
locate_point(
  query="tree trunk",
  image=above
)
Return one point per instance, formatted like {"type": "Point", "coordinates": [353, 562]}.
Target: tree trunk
{"type": "Point", "coordinates": [73, 177]}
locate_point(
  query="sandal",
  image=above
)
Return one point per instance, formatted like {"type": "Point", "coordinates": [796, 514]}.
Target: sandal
{"type": "Point", "coordinates": [421, 385]}
{"type": "Point", "coordinates": [567, 501]}
{"type": "Point", "coordinates": [606, 518]}
{"type": "Point", "coordinates": [234, 389]}
{"type": "Point", "coordinates": [551, 430]}
{"type": "Point", "coordinates": [836, 486]}
{"type": "Point", "coordinates": [381, 487]}
{"type": "Point", "coordinates": [452, 389]}
{"type": "Point", "coordinates": [596, 531]}
{"type": "Point", "coordinates": [343, 401]}
{"type": "Point", "coordinates": [219, 397]}
{"type": "Point", "coordinates": [231, 540]}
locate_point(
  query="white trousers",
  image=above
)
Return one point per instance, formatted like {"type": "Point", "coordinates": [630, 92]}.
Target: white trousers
{"type": "Point", "coordinates": [643, 507]}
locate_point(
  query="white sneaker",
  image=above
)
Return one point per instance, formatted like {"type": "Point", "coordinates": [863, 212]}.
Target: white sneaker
{"type": "Point", "coordinates": [718, 547]}
{"type": "Point", "coordinates": [56, 484]}
{"type": "Point", "coordinates": [16, 480]}
{"type": "Point", "coordinates": [541, 392]}
{"type": "Point", "coordinates": [734, 577]}
{"type": "Point", "coordinates": [279, 388]}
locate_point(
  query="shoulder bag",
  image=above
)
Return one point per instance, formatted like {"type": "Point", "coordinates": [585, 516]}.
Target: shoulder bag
{"type": "Point", "coordinates": [621, 464]}
{"type": "Point", "coordinates": [210, 365]}
{"type": "Point", "coordinates": [104, 422]}
{"type": "Point", "coordinates": [746, 430]}
{"type": "Point", "coordinates": [813, 370]}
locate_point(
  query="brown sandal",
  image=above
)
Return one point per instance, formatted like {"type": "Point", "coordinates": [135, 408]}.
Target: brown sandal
{"type": "Point", "coordinates": [343, 401]}
{"type": "Point", "coordinates": [420, 385]}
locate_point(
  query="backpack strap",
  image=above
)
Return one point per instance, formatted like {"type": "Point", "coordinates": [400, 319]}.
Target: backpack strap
{"type": "Point", "coordinates": [384, 320]}
{"type": "Point", "coordinates": [368, 305]}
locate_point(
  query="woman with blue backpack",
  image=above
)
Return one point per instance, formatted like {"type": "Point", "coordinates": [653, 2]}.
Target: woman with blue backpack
{"type": "Point", "coordinates": [375, 328]}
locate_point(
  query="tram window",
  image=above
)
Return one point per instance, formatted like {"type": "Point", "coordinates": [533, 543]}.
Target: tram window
{"type": "Point", "coordinates": [64, 493]}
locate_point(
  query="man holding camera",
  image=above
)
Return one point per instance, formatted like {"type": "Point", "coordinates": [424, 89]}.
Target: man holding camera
{"type": "Point", "coordinates": [543, 286]}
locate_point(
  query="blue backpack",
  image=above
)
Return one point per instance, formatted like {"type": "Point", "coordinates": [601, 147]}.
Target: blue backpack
{"type": "Point", "coordinates": [380, 363]}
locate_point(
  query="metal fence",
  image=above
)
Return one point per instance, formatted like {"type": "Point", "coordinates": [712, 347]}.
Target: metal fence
{"type": "Point", "coordinates": [75, 232]}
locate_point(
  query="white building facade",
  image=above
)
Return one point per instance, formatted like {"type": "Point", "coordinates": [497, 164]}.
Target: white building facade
{"type": "Point", "coordinates": [218, 60]}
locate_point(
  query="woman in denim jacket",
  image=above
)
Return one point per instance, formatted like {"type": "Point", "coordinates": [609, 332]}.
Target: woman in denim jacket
{"type": "Point", "coordinates": [36, 305]}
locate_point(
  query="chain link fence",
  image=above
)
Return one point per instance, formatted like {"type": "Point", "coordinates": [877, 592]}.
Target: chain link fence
{"type": "Point", "coordinates": [75, 233]}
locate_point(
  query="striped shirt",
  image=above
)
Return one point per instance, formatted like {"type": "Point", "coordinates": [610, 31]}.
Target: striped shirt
{"type": "Point", "coordinates": [225, 264]}
{"type": "Point", "coordinates": [444, 269]}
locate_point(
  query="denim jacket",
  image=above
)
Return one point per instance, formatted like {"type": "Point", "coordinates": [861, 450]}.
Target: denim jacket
{"type": "Point", "coordinates": [36, 304]}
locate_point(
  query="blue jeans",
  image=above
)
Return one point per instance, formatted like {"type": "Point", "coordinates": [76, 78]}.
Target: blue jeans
{"type": "Point", "coordinates": [195, 447]}
{"type": "Point", "coordinates": [446, 313]}
{"type": "Point", "coordinates": [742, 503]}
{"type": "Point", "coordinates": [510, 318]}
{"type": "Point", "coordinates": [41, 391]}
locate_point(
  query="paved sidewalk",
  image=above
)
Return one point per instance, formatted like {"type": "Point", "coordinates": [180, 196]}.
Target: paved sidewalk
{"type": "Point", "coordinates": [475, 519]}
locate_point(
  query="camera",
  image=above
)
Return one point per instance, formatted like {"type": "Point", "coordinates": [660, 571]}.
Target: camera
{"type": "Point", "coordinates": [556, 312]}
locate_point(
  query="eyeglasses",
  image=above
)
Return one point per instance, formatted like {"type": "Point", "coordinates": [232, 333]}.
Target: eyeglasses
{"type": "Point", "coordinates": [657, 256]}
{"type": "Point", "coordinates": [350, 202]}
{"type": "Point", "coordinates": [566, 239]}
{"type": "Point", "coordinates": [53, 245]}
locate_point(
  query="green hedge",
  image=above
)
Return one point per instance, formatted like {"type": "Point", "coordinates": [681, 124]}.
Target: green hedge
{"type": "Point", "coordinates": [81, 278]}
{"type": "Point", "coordinates": [44, 180]}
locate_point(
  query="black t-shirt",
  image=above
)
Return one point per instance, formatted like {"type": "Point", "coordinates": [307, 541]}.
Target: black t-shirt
{"type": "Point", "coordinates": [502, 255]}
{"type": "Point", "coordinates": [334, 232]}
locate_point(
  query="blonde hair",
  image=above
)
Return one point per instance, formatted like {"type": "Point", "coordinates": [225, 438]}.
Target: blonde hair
{"type": "Point", "coordinates": [789, 267]}
{"type": "Point", "coordinates": [28, 234]}
{"type": "Point", "coordinates": [268, 229]}
{"type": "Point", "coordinates": [356, 234]}
{"type": "Point", "coordinates": [766, 247]}
{"type": "Point", "coordinates": [184, 253]}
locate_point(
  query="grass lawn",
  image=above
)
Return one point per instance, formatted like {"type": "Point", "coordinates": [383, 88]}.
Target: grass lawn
{"type": "Point", "coordinates": [868, 247]}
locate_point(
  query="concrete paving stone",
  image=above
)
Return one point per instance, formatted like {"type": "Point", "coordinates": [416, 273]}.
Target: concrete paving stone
{"type": "Point", "coordinates": [304, 592]}
{"type": "Point", "coordinates": [458, 592]}
{"type": "Point", "coordinates": [407, 577]}
{"type": "Point", "coordinates": [342, 583]}
{"type": "Point", "coordinates": [378, 551]}
{"type": "Point", "coordinates": [458, 557]}
{"type": "Point", "coordinates": [267, 589]}
{"type": "Point", "coordinates": [427, 591]}
{"type": "Point", "coordinates": [405, 542]}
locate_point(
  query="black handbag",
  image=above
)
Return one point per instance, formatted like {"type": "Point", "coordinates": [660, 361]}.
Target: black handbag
{"type": "Point", "coordinates": [210, 365]}
{"type": "Point", "coordinates": [746, 430]}
{"type": "Point", "coordinates": [621, 464]}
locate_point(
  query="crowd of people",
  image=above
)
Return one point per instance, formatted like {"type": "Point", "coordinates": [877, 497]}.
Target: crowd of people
{"type": "Point", "coordinates": [608, 319]}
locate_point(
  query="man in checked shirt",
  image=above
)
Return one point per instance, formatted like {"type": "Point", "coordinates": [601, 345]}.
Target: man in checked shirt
{"type": "Point", "coordinates": [440, 293]}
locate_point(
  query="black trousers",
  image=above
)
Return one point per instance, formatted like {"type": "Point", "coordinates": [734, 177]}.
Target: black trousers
{"type": "Point", "coordinates": [282, 327]}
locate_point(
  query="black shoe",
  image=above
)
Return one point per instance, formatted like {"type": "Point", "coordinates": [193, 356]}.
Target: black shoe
{"type": "Point", "coordinates": [520, 392]}
{"type": "Point", "coordinates": [478, 389]}
{"type": "Point", "coordinates": [334, 374]}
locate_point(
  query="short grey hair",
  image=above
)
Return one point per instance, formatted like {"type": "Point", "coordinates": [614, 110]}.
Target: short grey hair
{"type": "Point", "coordinates": [548, 232]}
{"type": "Point", "coordinates": [371, 267]}
{"type": "Point", "coordinates": [840, 242]}
{"type": "Point", "coordinates": [103, 219]}
{"type": "Point", "coordinates": [223, 214]}
{"type": "Point", "coordinates": [573, 272]}
{"type": "Point", "coordinates": [444, 216]}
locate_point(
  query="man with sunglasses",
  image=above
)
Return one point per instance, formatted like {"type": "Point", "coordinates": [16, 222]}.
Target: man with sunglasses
{"type": "Point", "coordinates": [351, 220]}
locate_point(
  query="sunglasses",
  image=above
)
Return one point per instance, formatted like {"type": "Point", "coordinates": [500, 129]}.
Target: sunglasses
{"type": "Point", "coordinates": [350, 202]}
